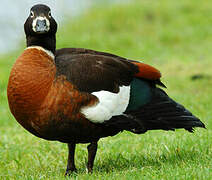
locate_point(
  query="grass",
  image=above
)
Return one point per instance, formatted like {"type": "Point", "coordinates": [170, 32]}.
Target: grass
{"type": "Point", "coordinates": [174, 36]}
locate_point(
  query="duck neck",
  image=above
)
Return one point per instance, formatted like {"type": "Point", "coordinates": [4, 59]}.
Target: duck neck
{"type": "Point", "coordinates": [48, 42]}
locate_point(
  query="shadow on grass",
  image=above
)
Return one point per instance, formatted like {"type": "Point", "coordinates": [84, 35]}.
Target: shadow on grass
{"type": "Point", "coordinates": [118, 162]}
{"type": "Point", "coordinates": [138, 161]}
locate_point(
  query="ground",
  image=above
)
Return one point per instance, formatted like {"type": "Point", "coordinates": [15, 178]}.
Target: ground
{"type": "Point", "coordinates": [175, 37]}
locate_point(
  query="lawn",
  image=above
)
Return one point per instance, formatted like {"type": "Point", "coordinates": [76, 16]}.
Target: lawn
{"type": "Point", "coordinates": [175, 37]}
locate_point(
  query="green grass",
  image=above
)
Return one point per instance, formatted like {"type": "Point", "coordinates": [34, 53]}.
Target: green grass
{"type": "Point", "coordinates": [174, 36]}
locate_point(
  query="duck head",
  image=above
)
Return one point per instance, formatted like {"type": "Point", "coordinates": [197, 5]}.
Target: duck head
{"type": "Point", "coordinates": [40, 28]}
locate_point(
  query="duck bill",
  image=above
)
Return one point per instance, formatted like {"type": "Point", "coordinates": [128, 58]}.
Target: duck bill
{"type": "Point", "coordinates": [40, 25]}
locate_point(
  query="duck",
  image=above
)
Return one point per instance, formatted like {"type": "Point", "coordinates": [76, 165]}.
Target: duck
{"type": "Point", "coordinates": [77, 95]}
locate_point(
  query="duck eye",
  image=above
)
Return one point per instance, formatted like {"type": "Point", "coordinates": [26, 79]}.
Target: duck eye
{"type": "Point", "coordinates": [31, 14]}
{"type": "Point", "coordinates": [50, 15]}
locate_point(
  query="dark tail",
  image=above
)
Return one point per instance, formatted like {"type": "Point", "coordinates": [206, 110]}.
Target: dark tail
{"type": "Point", "coordinates": [164, 113]}
{"type": "Point", "coordinates": [160, 113]}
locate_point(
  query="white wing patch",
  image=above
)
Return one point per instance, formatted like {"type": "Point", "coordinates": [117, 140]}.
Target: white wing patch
{"type": "Point", "coordinates": [110, 104]}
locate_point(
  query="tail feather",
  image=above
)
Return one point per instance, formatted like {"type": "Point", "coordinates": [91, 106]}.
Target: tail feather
{"type": "Point", "coordinates": [164, 113]}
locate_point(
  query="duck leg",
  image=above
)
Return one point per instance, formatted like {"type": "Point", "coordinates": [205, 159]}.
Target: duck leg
{"type": "Point", "coordinates": [70, 165]}
{"type": "Point", "coordinates": [92, 148]}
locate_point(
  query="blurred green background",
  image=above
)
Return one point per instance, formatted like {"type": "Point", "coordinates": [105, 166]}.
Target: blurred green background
{"type": "Point", "coordinates": [175, 37]}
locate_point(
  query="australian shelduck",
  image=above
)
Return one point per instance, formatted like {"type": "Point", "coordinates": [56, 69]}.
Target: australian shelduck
{"type": "Point", "coordinates": [76, 95]}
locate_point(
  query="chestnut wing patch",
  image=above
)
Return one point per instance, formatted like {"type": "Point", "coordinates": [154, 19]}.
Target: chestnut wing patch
{"type": "Point", "coordinates": [146, 71]}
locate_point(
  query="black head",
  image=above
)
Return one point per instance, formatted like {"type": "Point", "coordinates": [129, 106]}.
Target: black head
{"type": "Point", "coordinates": [40, 28]}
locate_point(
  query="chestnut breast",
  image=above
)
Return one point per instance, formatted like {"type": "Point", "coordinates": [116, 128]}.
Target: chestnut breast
{"type": "Point", "coordinates": [48, 105]}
